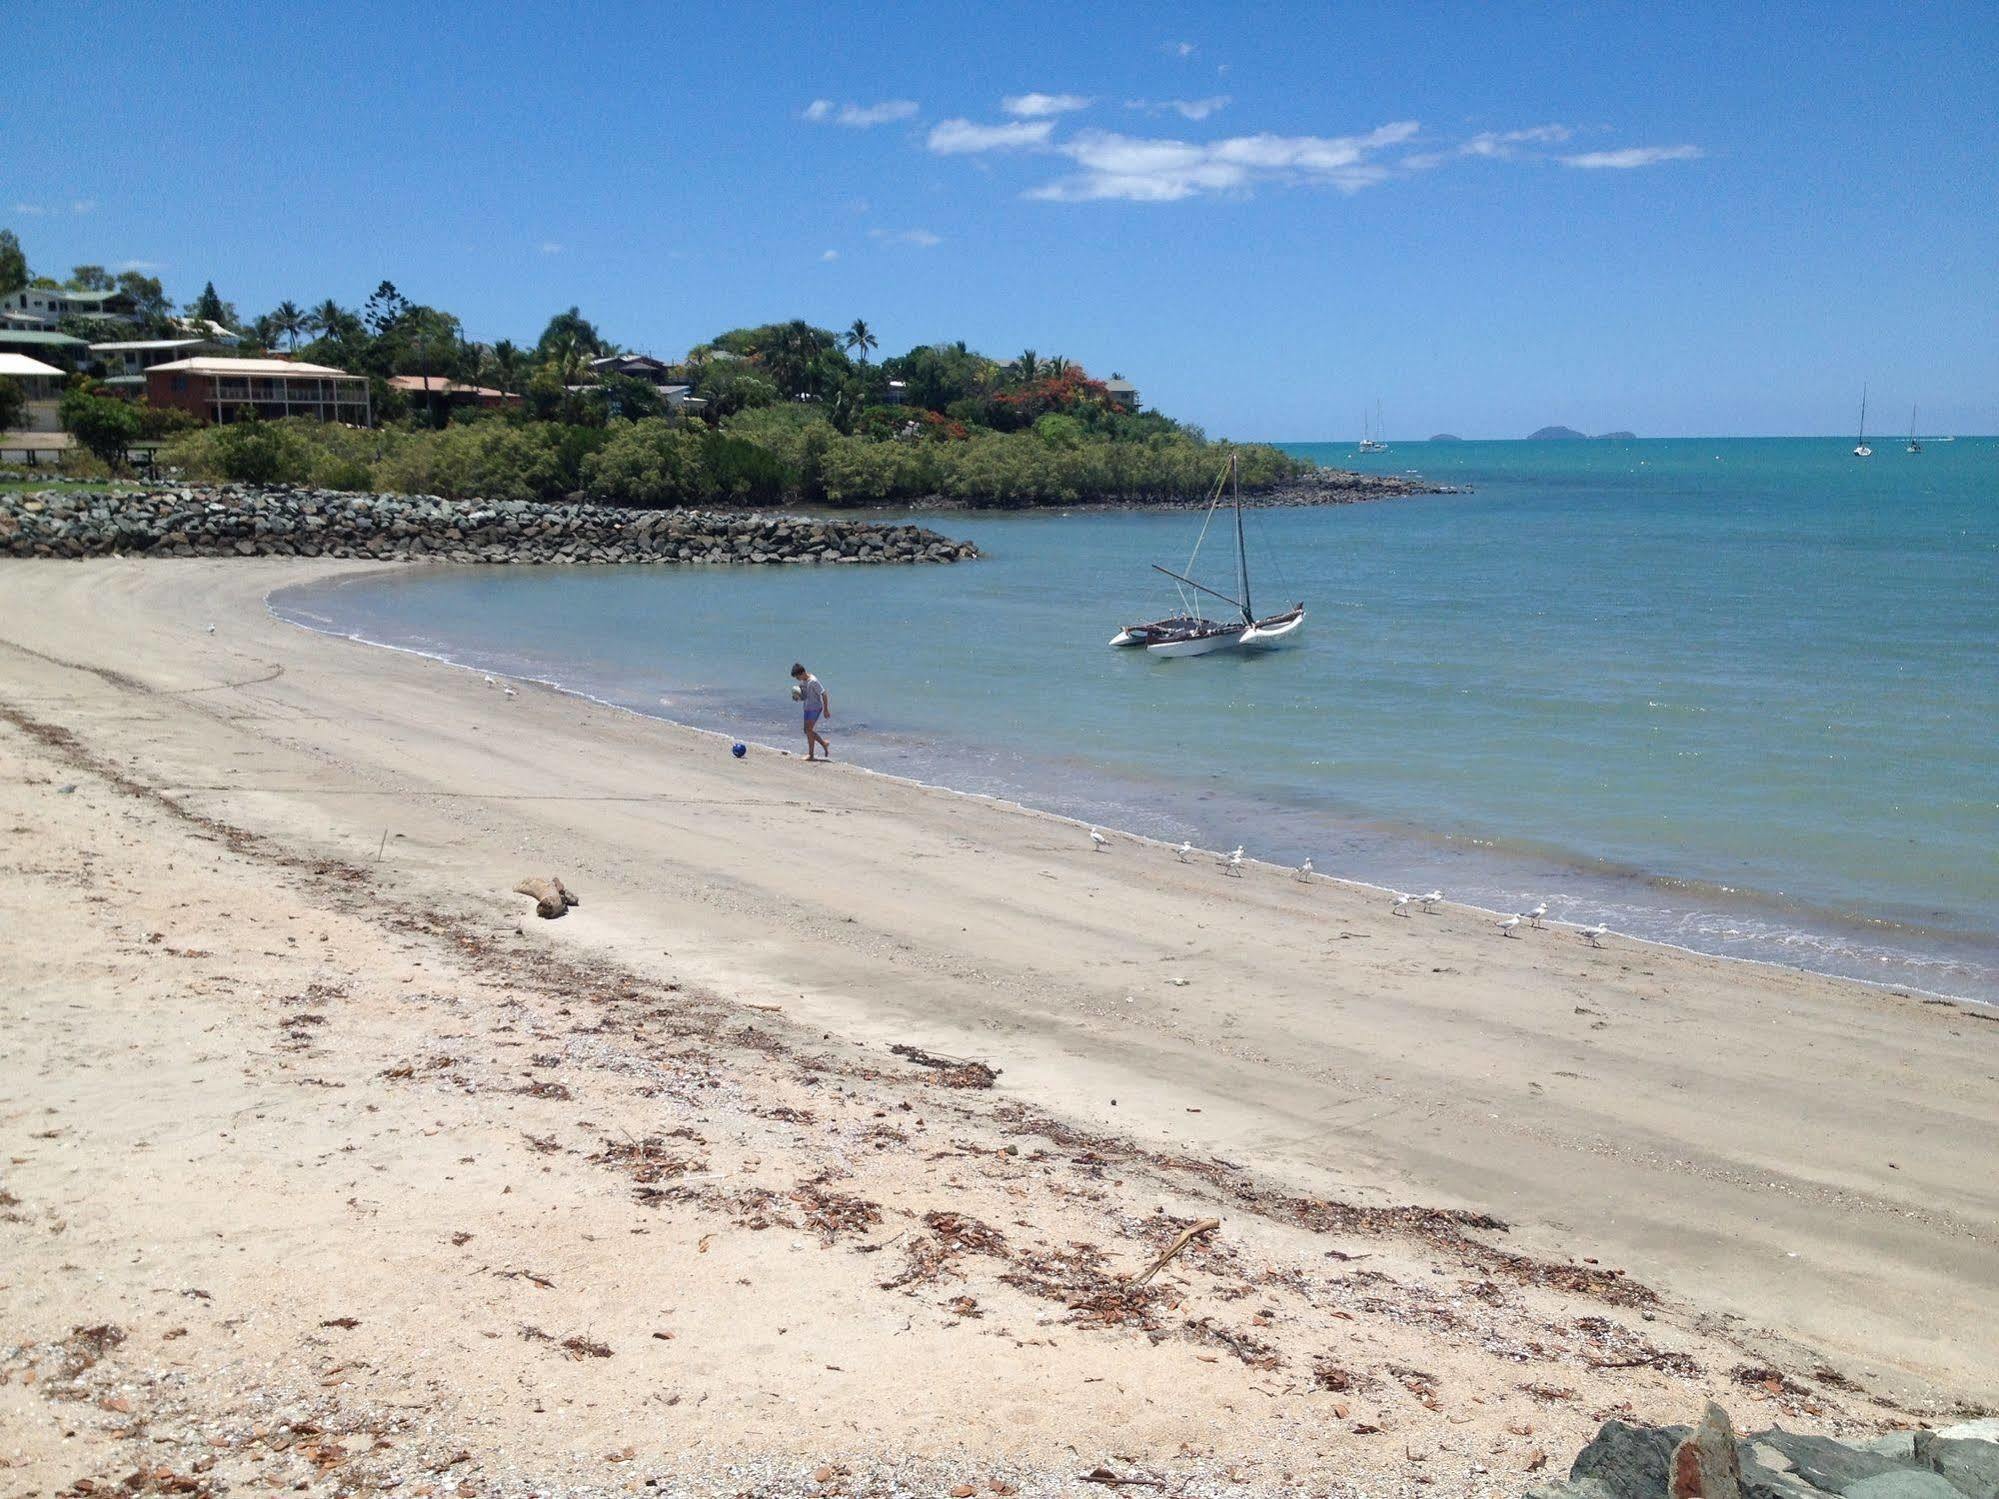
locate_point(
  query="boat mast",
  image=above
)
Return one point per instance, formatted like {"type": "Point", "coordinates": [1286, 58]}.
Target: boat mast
{"type": "Point", "coordinates": [1241, 551]}
{"type": "Point", "coordinates": [1863, 416]}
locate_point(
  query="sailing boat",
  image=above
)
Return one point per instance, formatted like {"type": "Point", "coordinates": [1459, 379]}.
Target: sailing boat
{"type": "Point", "coordinates": [1372, 442]}
{"type": "Point", "coordinates": [1194, 634]}
{"type": "Point", "coordinates": [1861, 450]}
{"type": "Point", "coordinates": [1914, 445]}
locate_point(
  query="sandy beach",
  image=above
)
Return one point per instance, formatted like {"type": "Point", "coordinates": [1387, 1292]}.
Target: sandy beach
{"type": "Point", "coordinates": [329, 1166]}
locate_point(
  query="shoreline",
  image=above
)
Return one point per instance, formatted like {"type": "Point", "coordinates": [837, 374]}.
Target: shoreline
{"type": "Point", "coordinates": [1694, 1179]}
{"type": "Point", "coordinates": [1810, 920]}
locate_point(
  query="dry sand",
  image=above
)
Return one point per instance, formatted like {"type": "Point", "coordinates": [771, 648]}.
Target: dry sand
{"type": "Point", "coordinates": [641, 1201]}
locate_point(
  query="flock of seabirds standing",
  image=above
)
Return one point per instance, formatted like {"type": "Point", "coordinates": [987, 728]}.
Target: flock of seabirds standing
{"type": "Point", "coordinates": [1509, 926]}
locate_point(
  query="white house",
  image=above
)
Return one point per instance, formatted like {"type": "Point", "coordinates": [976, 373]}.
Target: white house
{"type": "Point", "coordinates": [45, 306]}
{"type": "Point", "coordinates": [43, 384]}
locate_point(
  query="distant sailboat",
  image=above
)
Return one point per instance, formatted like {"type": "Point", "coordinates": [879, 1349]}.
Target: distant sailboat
{"type": "Point", "coordinates": [1371, 442]}
{"type": "Point", "coordinates": [1914, 445]}
{"type": "Point", "coordinates": [1860, 449]}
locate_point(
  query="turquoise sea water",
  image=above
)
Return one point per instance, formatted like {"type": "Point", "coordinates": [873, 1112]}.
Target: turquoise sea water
{"type": "Point", "coordinates": [1741, 695]}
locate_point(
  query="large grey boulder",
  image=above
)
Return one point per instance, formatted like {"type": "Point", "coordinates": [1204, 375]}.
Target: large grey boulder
{"type": "Point", "coordinates": [1972, 1467]}
{"type": "Point", "coordinates": [1901, 1483]}
{"type": "Point", "coordinates": [1827, 1464]}
{"type": "Point", "coordinates": [1631, 1461]}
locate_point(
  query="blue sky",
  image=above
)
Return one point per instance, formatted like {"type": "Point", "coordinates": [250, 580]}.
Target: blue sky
{"type": "Point", "coordinates": [1716, 220]}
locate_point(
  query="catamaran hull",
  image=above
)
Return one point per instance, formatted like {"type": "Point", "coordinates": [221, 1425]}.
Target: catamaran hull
{"type": "Point", "coordinates": [1200, 645]}
{"type": "Point", "coordinates": [1267, 635]}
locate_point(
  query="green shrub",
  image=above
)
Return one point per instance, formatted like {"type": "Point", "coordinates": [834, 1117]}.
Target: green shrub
{"type": "Point", "coordinates": [653, 462]}
{"type": "Point", "coordinates": [105, 425]}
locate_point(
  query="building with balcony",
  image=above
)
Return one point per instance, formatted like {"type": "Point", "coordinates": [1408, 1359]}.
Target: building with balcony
{"type": "Point", "coordinates": [45, 306]}
{"type": "Point", "coordinates": [226, 390]}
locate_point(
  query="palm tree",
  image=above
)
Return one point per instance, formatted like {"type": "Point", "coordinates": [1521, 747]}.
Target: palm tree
{"type": "Point", "coordinates": [861, 338]}
{"type": "Point", "coordinates": [1027, 366]}
{"type": "Point", "coordinates": [1056, 368]}
{"type": "Point", "coordinates": [290, 321]}
{"type": "Point", "coordinates": [329, 319]}
{"type": "Point", "coordinates": [568, 354]}
{"type": "Point", "coordinates": [506, 364]}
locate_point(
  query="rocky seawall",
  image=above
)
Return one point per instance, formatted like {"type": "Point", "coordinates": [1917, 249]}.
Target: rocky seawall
{"type": "Point", "coordinates": [1710, 1461]}
{"type": "Point", "coordinates": [1342, 486]}
{"type": "Point", "coordinates": [235, 520]}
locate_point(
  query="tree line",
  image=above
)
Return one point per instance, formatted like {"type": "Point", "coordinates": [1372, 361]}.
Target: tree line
{"type": "Point", "coordinates": [773, 413]}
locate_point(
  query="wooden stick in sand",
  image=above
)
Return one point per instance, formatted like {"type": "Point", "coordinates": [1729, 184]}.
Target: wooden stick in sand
{"type": "Point", "coordinates": [1187, 1236]}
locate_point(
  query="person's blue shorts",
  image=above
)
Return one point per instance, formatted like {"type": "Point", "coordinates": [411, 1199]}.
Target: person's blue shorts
{"type": "Point", "coordinates": [811, 717]}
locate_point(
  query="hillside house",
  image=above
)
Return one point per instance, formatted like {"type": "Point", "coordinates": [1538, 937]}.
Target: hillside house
{"type": "Point", "coordinates": [421, 389]}
{"type": "Point", "coordinates": [44, 344]}
{"type": "Point", "coordinates": [223, 390]}
{"type": "Point", "coordinates": [45, 306]}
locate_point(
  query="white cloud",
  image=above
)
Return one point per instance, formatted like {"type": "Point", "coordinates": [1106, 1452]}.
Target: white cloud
{"type": "Point", "coordinates": [1188, 109]}
{"type": "Point", "coordinates": [923, 239]}
{"type": "Point", "coordinates": [859, 116]}
{"type": "Point", "coordinates": [1150, 170]}
{"type": "Point", "coordinates": [1039, 106]}
{"type": "Point", "coordinates": [1633, 156]}
{"type": "Point", "coordinates": [1502, 143]}
{"type": "Point", "coordinates": [959, 137]}
{"type": "Point", "coordinates": [143, 267]}
{"type": "Point", "coordinates": [83, 205]}
{"type": "Point", "coordinates": [1491, 145]}
{"type": "Point", "coordinates": [30, 210]}
{"type": "Point", "coordinates": [830, 255]}
{"type": "Point", "coordinates": [1180, 49]}
{"type": "Point", "coordinates": [550, 247]}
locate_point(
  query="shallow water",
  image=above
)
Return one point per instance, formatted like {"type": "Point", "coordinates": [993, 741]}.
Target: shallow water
{"type": "Point", "coordinates": [1741, 695]}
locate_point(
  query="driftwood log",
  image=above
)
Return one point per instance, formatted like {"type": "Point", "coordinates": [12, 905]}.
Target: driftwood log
{"type": "Point", "coordinates": [551, 896]}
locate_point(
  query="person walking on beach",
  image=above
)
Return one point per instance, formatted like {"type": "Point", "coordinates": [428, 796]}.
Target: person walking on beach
{"type": "Point", "coordinates": [817, 706]}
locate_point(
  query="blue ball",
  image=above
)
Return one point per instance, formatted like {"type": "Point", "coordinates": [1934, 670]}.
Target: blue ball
{"type": "Point", "coordinates": [739, 750]}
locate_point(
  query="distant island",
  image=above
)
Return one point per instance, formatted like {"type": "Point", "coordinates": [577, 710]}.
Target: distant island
{"type": "Point", "coordinates": [1446, 437]}
{"type": "Point", "coordinates": [1567, 434]}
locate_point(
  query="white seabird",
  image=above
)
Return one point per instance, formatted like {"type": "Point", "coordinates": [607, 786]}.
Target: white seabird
{"type": "Point", "coordinates": [1429, 899]}
{"type": "Point", "coordinates": [1233, 863]}
{"type": "Point", "coordinates": [1401, 906]}
{"type": "Point", "coordinates": [1506, 927]}
{"type": "Point", "coordinates": [1305, 870]}
{"type": "Point", "coordinates": [1534, 916]}
{"type": "Point", "coordinates": [1594, 935]}
{"type": "Point", "coordinates": [1098, 841]}
{"type": "Point", "coordinates": [1184, 850]}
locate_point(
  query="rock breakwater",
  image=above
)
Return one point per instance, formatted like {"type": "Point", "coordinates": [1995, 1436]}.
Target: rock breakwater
{"type": "Point", "coordinates": [1709, 1461]}
{"type": "Point", "coordinates": [235, 520]}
